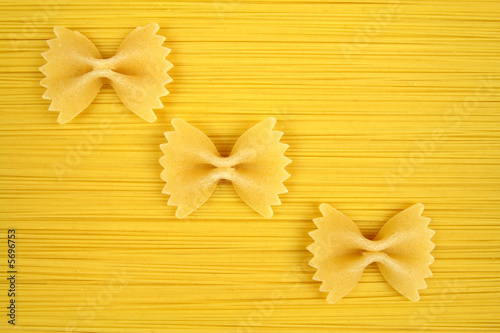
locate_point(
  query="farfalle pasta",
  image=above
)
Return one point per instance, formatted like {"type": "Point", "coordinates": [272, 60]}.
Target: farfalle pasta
{"type": "Point", "coordinates": [75, 72]}
{"type": "Point", "coordinates": [401, 250]}
{"type": "Point", "coordinates": [193, 167]}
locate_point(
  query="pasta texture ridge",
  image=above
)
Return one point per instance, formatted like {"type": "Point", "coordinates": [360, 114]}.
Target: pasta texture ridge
{"type": "Point", "coordinates": [193, 167]}
{"type": "Point", "coordinates": [75, 72]}
{"type": "Point", "coordinates": [401, 250]}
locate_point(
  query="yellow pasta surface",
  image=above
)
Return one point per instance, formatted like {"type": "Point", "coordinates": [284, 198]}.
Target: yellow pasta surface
{"type": "Point", "coordinates": [384, 104]}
